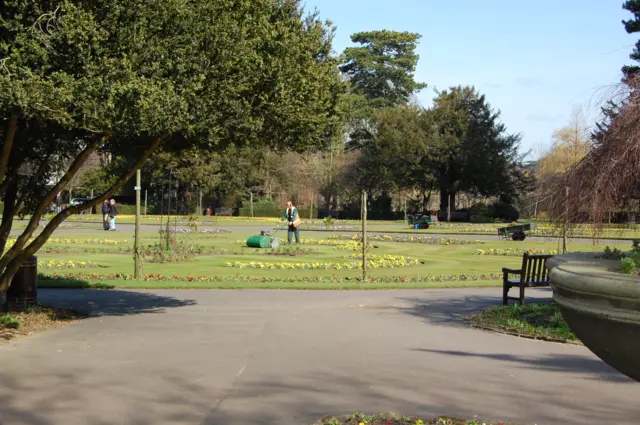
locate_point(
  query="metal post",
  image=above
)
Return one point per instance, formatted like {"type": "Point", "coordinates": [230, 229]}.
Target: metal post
{"type": "Point", "coordinates": [136, 248]}
{"type": "Point", "coordinates": [364, 234]}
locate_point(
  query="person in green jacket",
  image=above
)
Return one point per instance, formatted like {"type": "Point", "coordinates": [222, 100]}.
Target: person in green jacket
{"type": "Point", "coordinates": [293, 220]}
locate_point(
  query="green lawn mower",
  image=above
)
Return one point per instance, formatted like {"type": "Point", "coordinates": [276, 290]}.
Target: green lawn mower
{"type": "Point", "coordinates": [264, 240]}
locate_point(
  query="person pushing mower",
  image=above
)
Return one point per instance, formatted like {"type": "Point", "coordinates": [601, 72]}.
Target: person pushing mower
{"type": "Point", "coordinates": [292, 218]}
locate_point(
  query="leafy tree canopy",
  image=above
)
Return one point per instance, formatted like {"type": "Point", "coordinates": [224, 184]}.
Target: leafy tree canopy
{"type": "Point", "coordinates": [382, 68]}
{"type": "Point", "coordinates": [127, 77]}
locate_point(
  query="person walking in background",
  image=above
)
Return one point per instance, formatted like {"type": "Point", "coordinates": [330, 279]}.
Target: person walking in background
{"type": "Point", "coordinates": [105, 214]}
{"type": "Point", "coordinates": [113, 213]}
{"type": "Point", "coordinates": [291, 217]}
{"type": "Point", "coordinates": [58, 204]}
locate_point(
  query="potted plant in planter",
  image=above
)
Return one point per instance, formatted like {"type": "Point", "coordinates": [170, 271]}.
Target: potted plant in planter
{"type": "Point", "coordinates": [601, 305]}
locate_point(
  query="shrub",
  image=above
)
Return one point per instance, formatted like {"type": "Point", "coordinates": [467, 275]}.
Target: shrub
{"type": "Point", "coordinates": [9, 322]}
{"type": "Point", "coordinates": [627, 265]}
{"type": "Point", "coordinates": [128, 209]}
{"type": "Point", "coordinates": [481, 219]}
{"type": "Point", "coordinates": [507, 212]}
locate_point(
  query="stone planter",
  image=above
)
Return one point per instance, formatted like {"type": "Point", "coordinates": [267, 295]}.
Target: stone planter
{"type": "Point", "coordinates": [602, 307]}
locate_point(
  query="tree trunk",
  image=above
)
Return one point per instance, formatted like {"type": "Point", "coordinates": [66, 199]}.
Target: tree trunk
{"type": "Point", "coordinates": [7, 214]}
{"type": "Point", "coordinates": [18, 254]}
{"type": "Point", "coordinates": [7, 145]}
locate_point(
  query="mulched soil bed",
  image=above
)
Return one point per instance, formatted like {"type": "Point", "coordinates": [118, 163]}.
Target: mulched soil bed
{"type": "Point", "coordinates": [395, 419]}
{"type": "Point", "coordinates": [35, 320]}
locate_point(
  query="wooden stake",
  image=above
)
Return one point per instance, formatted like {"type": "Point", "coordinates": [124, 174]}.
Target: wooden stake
{"type": "Point", "coordinates": [364, 234]}
{"type": "Point", "coordinates": [136, 247]}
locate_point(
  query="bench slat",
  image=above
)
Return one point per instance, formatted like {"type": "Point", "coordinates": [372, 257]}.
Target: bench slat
{"type": "Point", "coordinates": [533, 273]}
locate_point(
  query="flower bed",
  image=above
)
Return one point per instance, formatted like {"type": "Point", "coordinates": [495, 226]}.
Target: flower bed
{"type": "Point", "coordinates": [265, 279]}
{"type": "Point", "coordinates": [395, 419]}
{"type": "Point", "coordinates": [53, 264]}
{"type": "Point", "coordinates": [536, 321]}
{"type": "Point", "coordinates": [198, 230]}
{"type": "Point", "coordinates": [430, 240]}
{"type": "Point", "coordinates": [373, 261]}
{"type": "Point", "coordinates": [515, 252]}
{"type": "Point", "coordinates": [350, 245]}
{"type": "Point", "coordinates": [67, 241]}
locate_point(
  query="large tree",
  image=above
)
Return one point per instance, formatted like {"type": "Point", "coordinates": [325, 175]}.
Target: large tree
{"type": "Point", "coordinates": [632, 26]}
{"type": "Point", "coordinates": [404, 152]}
{"type": "Point", "coordinates": [381, 73]}
{"type": "Point", "coordinates": [479, 155]}
{"type": "Point", "coordinates": [127, 77]}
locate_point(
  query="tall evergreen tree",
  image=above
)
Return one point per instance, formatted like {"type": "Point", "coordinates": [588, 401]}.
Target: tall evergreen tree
{"type": "Point", "coordinates": [632, 26]}
{"type": "Point", "coordinates": [382, 68]}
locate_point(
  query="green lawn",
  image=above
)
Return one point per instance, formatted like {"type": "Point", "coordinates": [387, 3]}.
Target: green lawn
{"type": "Point", "coordinates": [446, 265]}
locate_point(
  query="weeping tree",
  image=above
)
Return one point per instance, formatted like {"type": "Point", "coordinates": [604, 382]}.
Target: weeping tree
{"type": "Point", "coordinates": [607, 179]}
{"type": "Point", "coordinates": [131, 77]}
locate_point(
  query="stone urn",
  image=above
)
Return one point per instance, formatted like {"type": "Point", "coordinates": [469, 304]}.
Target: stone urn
{"type": "Point", "coordinates": [601, 306]}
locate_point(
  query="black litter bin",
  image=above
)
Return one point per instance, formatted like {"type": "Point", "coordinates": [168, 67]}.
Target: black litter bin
{"type": "Point", "coordinates": [23, 291]}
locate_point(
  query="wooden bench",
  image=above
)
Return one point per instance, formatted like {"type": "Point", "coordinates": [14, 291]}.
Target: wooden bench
{"type": "Point", "coordinates": [532, 273]}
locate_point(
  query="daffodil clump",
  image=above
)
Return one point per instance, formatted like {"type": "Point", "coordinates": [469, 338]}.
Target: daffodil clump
{"type": "Point", "coordinates": [430, 240]}
{"type": "Point", "coordinates": [53, 264]}
{"type": "Point", "coordinates": [508, 252]}
{"type": "Point", "coordinates": [344, 245]}
{"type": "Point", "coordinates": [373, 261]}
{"type": "Point", "coordinates": [11, 241]}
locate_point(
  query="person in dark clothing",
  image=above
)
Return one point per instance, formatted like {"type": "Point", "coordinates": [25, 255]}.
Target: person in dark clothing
{"type": "Point", "coordinates": [105, 214]}
{"type": "Point", "coordinates": [292, 218]}
{"type": "Point", "coordinates": [113, 213]}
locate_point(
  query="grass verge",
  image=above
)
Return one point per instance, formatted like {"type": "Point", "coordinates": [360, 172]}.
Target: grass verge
{"type": "Point", "coordinates": [538, 321]}
{"type": "Point", "coordinates": [15, 325]}
{"type": "Point", "coordinates": [394, 419]}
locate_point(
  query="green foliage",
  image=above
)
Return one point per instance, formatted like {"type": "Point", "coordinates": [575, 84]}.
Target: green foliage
{"type": "Point", "coordinates": [505, 212]}
{"type": "Point", "coordinates": [382, 68]}
{"type": "Point", "coordinates": [629, 261]}
{"type": "Point", "coordinates": [9, 322]}
{"type": "Point", "coordinates": [478, 155]}
{"type": "Point", "coordinates": [127, 209]}
{"type": "Point", "coordinates": [123, 77]}
{"type": "Point", "coordinates": [266, 207]}
{"type": "Point", "coordinates": [632, 26]}
{"type": "Point", "coordinates": [534, 320]}
{"type": "Point", "coordinates": [628, 265]}
{"type": "Point", "coordinates": [97, 179]}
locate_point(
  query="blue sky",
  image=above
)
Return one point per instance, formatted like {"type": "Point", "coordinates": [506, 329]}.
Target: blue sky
{"type": "Point", "coordinates": [534, 60]}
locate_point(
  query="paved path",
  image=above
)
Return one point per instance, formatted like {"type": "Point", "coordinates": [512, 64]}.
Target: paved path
{"type": "Point", "coordinates": [129, 228]}
{"type": "Point", "coordinates": [287, 357]}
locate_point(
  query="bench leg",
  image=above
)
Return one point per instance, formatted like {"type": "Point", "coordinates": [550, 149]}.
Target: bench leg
{"type": "Point", "coordinates": [505, 289]}
{"type": "Point", "coordinates": [522, 294]}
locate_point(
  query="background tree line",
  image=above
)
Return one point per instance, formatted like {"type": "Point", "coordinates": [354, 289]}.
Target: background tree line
{"type": "Point", "coordinates": [456, 153]}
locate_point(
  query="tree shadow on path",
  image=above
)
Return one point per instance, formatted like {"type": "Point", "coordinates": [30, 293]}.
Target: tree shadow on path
{"type": "Point", "coordinates": [452, 311]}
{"type": "Point", "coordinates": [564, 363]}
{"type": "Point", "coordinates": [111, 302]}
